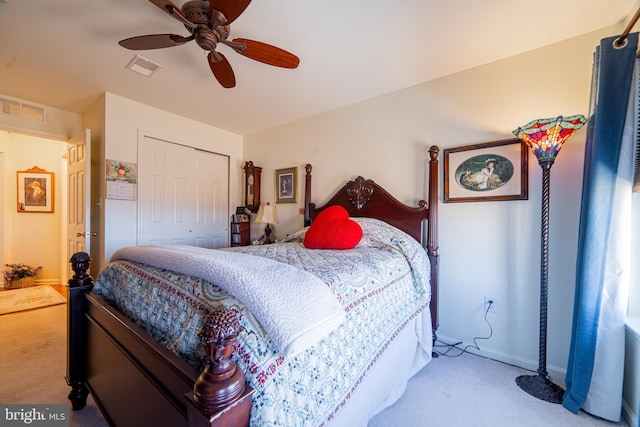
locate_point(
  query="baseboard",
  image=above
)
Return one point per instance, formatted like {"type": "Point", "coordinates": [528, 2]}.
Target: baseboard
{"type": "Point", "coordinates": [40, 282]}
{"type": "Point", "coordinates": [48, 281]}
{"type": "Point", "coordinates": [555, 372]}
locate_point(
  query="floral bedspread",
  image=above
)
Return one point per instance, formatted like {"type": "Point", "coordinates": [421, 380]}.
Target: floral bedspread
{"type": "Point", "coordinates": [382, 284]}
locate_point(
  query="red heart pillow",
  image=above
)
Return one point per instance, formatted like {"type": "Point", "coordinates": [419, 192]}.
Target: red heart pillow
{"type": "Point", "coordinates": [332, 229]}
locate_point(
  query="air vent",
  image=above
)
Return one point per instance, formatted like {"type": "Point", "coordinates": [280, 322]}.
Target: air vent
{"type": "Point", "coordinates": [22, 109]}
{"type": "Point", "coordinates": [143, 66]}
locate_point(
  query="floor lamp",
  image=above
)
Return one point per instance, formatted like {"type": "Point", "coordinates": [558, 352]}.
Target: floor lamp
{"type": "Point", "coordinates": [545, 138]}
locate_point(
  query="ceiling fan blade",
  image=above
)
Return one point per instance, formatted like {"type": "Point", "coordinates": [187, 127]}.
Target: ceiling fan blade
{"type": "Point", "coordinates": [266, 53]}
{"type": "Point", "coordinates": [221, 70]}
{"type": "Point", "coordinates": [154, 41]}
{"type": "Point", "coordinates": [231, 9]}
{"type": "Point", "coordinates": [173, 10]}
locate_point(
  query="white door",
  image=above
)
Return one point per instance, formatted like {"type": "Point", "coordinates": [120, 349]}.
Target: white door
{"type": "Point", "coordinates": [183, 195]}
{"type": "Point", "coordinates": [78, 195]}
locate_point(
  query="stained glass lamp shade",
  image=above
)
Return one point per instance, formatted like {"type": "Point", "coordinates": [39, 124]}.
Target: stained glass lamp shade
{"type": "Point", "coordinates": [545, 138]}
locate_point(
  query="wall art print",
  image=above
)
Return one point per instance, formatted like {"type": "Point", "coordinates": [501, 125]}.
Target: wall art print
{"type": "Point", "coordinates": [286, 185]}
{"type": "Point", "coordinates": [492, 171]}
{"type": "Point", "coordinates": [36, 190]}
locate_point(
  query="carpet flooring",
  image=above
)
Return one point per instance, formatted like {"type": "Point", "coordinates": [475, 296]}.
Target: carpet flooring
{"type": "Point", "coordinates": [472, 391]}
{"type": "Point", "coordinates": [33, 362]}
{"type": "Point", "coordinates": [449, 392]}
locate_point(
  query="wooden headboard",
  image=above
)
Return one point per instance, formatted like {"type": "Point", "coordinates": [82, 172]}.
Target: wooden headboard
{"type": "Point", "coordinates": [364, 198]}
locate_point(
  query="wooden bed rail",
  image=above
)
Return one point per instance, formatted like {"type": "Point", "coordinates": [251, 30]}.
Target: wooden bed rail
{"type": "Point", "coordinates": [219, 397]}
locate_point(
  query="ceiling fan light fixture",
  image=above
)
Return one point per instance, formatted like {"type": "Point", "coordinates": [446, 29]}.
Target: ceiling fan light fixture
{"type": "Point", "coordinates": [208, 23]}
{"type": "Point", "coordinates": [143, 66]}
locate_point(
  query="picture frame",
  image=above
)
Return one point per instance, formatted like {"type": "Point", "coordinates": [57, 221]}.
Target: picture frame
{"type": "Point", "coordinates": [35, 190]}
{"type": "Point", "coordinates": [286, 185]}
{"type": "Point", "coordinates": [470, 176]}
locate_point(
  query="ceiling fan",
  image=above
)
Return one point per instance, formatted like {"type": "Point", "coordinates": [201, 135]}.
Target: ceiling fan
{"type": "Point", "coordinates": [209, 24]}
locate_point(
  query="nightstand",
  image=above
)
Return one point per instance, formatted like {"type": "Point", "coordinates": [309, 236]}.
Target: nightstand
{"type": "Point", "coordinates": [240, 232]}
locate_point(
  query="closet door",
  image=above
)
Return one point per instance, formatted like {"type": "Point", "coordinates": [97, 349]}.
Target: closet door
{"type": "Point", "coordinates": [183, 195]}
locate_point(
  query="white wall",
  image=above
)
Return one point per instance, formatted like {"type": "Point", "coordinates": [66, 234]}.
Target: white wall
{"type": "Point", "coordinates": [32, 238]}
{"type": "Point", "coordinates": [126, 122]}
{"type": "Point", "coordinates": [487, 249]}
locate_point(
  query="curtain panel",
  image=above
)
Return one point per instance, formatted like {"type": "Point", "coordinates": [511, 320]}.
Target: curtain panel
{"type": "Point", "coordinates": [595, 369]}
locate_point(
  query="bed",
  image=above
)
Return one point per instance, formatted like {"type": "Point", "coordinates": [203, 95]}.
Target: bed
{"type": "Point", "coordinates": [231, 361]}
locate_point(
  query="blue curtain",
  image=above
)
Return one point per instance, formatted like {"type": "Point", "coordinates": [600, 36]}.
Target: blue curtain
{"type": "Point", "coordinates": [595, 368]}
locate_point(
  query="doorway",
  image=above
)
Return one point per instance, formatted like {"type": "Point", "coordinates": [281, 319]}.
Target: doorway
{"type": "Point", "coordinates": [33, 238]}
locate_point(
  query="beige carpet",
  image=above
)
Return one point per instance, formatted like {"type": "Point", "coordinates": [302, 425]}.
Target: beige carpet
{"type": "Point", "coordinates": [471, 391]}
{"type": "Point", "coordinates": [29, 298]}
{"type": "Point", "coordinates": [33, 363]}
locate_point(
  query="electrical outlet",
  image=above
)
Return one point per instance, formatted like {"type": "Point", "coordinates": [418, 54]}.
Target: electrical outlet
{"type": "Point", "coordinates": [490, 307]}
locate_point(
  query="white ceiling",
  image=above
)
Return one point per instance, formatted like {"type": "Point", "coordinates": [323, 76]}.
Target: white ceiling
{"type": "Point", "coordinates": [64, 53]}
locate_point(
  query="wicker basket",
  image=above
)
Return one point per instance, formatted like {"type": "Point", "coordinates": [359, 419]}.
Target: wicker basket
{"type": "Point", "coordinates": [25, 282]}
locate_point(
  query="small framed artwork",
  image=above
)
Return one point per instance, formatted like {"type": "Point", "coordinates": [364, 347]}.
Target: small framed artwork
{"type": "Point", "coordinates": [286, 183]}
{"type": "Point", "coordinates": [35, 190]}
{"type": "Point", "coordinates": [492, 171]}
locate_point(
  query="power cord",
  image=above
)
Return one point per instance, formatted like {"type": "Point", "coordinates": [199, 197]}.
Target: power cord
{"type": "Point", "coordinates": [475, 339]}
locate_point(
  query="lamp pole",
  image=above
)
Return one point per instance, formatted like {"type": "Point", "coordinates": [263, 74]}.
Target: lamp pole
{"type": "Point", "coordinates": [540, 385]}
{"type": "Point", "coordinates": [544, 267]}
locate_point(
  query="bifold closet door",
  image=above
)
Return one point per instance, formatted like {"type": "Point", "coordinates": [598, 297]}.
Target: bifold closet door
{"type": "Point", "coordinates": [183, 195]}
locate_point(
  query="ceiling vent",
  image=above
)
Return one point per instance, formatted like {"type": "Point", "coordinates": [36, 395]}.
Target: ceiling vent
{"type": "Point", "coordinates": [22, 109]}
{"type": "Point", "coordinates": [143, 66]}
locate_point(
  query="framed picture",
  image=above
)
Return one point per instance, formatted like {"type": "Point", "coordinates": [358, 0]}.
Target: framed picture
{"type": "Point", "coordinates": [35, 190]}
{"type": "Point", "coordinates": [286, 183]}
{"type": "Point", "coordinates": [493, 171]}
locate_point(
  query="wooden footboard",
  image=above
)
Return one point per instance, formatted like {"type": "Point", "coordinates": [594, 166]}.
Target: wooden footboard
{"type": "Point", "coordinates": [135, 380]}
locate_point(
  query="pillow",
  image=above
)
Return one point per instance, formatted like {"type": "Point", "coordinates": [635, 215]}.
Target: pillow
{"type": "Point", "coordinates": [297, 237]}
{"type": "Point", "coordinates": [332, 229]}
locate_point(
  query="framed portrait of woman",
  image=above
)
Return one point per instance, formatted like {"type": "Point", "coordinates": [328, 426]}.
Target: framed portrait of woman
{"type": "Point", "coordinates": [492, 171]}
{"type": "Point", "coordinates": [36, 191]}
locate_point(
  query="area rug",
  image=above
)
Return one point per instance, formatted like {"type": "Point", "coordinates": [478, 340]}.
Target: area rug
{"type": "Point", "coordinates": [29, 298]}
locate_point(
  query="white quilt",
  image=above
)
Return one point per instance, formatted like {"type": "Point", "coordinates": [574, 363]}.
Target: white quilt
{"type": "Point", "coordinates": [265, 286]}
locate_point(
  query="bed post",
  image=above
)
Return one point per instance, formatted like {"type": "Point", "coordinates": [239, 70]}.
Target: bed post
{"type": "Point", "coordinates": [432, 235]}
{"type": "Point", "coordinates": [307, 195]}
{"type": "Point", "coordinates": [79, 284]}
{"type": "Point", "coordinates": [221, 396]}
